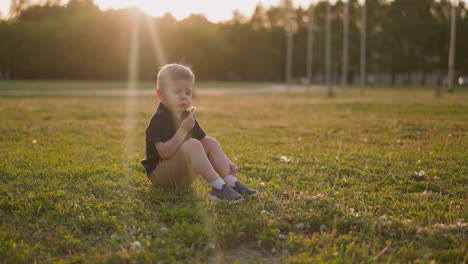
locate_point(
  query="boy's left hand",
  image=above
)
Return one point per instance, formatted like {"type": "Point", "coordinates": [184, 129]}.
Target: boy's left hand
{"type": "Point", "coordinates": [232, 168]}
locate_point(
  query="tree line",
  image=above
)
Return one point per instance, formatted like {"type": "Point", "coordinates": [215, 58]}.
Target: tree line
{"type": "Point", "coordinates": [79, 41]}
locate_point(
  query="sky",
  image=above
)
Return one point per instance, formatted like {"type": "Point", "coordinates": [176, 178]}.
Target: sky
{"type": "Point", "coordinates": [214, 10]}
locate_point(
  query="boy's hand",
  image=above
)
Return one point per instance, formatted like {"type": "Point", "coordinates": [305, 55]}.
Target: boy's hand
{"type": "Point", "coordinates": [232, 168]}
{"type": "Point", "coordinates": [188, 123]}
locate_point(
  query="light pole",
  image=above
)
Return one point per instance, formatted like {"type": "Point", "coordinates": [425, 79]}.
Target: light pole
{"type": "Point", "coordinates": [289, 44]}
{"type": "Point", "coordinates": [328, 51]}
{"type": "Point", "coordinates": [310, 46]}
{"type": "Point", "coordinates": [344, 70]}
{"type": "Point", "coordinates": [451, 62]}
{"type": "Point", "coordinates": [363, 47]}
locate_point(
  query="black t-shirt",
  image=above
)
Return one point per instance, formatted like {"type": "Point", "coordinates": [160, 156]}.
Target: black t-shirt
{"type": "Point", "coordinates": [161, 128]}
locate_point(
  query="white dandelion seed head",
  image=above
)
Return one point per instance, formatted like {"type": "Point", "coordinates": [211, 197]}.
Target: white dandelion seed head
{"type": "Point", "coordinates": [136, 246]}
{"type": "Point", "coordinates": [285, 159]}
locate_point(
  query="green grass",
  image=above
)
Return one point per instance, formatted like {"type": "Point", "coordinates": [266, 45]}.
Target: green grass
{"type": "Point", "coordinates": [86, 85]}
{"type": "Point", "coordinates": [392, 167]}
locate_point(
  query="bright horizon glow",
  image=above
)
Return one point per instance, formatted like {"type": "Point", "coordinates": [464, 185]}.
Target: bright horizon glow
{"type": "Point", "coordinates": [214, 10]}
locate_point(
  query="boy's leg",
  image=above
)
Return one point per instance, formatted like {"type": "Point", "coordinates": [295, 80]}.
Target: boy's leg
{"type": "Point", "coordinates": [190, 159]}
{"type": "Point", "coordinates": [221, 163]}
{"type": "Point", "coordinates": [201, 164]}
{"type": "Point", "coordinates": [182, 168]}
{"type": "Point", "coordinates": [215, 154]}
{"type": "Point", "coordinates": [173, 172]}
{"type": "Point", "coordinates": [198, 160]}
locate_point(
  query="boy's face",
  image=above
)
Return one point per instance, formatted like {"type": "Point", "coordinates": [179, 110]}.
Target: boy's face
{"type": "Point", "coordinates": [177, 96]}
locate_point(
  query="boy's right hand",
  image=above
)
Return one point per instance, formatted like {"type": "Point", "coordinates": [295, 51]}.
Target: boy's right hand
{"type": "Point", "coordinates": [188, 123]}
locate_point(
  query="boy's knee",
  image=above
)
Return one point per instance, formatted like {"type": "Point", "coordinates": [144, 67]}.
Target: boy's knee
{"type": "Point", "coordinates": [192, 144]}
{"type": "Point", "coordinates": [209, 141]}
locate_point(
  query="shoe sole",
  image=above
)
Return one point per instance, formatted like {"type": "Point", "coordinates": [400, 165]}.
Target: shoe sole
{"type": "Point", "coordinates": [250, 195]}
{"type": "Point", "coordinates": [216, 199]}
{"type": "Point", "coordinates": [253, 195]}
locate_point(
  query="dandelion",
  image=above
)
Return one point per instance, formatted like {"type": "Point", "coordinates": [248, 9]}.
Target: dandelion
{"type": "Point", "coordinates": [353, 213]}
{"type": "Point", "coordinates": [136, 246]}
{"type": "Point", "coordinates": [285, 159]}
{"type": "Point", "coordinates": [262, 184]}
{"type": "Point", "coordinates": [421, 173]}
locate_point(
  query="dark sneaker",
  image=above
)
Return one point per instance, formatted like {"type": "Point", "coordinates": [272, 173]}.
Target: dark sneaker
{"type": "Point", "coordinates": [226, 194]}
{"type": "Point", "coordinates": [242, 189]}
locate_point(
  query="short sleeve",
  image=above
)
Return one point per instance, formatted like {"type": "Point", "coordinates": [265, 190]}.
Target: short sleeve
{"type": "Point", "coordinates": [197, 131]}
{"type": "Point", "coordinates": [159, 129]}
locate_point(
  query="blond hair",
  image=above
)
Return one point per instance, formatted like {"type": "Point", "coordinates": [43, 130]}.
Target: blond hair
{"type": "Point", "coordinates": [173, 72]}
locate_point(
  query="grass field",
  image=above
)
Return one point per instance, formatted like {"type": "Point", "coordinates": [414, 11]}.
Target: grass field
{"type": "Point", "coordinates": [380, 178]}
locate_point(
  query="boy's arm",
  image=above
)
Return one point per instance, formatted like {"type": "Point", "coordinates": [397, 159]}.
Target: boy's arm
{"type": "Point", "coordinates": [168, 148]}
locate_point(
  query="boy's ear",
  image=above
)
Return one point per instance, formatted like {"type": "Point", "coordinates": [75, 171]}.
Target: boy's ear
{"type": "Point", "coordinates": [159, 94]}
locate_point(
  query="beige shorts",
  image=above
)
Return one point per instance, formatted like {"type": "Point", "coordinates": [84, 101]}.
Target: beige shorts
{"type": "Point", "coordinates": [173, 172]}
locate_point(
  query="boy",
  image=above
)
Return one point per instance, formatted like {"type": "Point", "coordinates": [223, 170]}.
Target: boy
{"type": "Point", "coordinates": [177, 148]}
